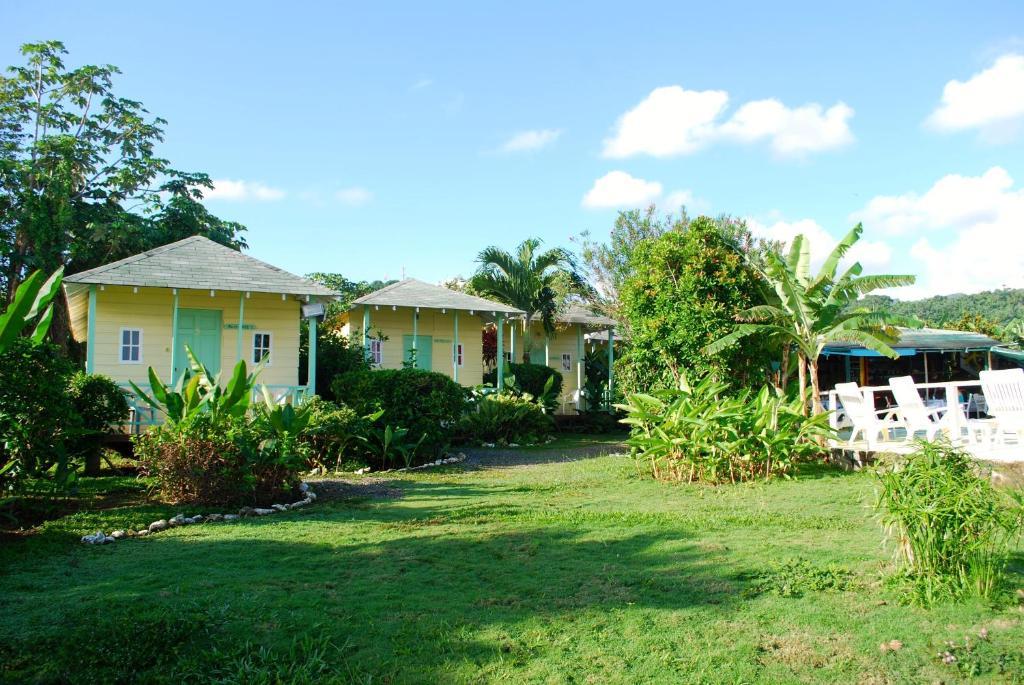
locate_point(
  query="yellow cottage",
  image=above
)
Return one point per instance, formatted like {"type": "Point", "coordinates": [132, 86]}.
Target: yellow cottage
{"type": "Point", "coordinates": [432, 327]}
{"type": "Point", "coordinates": [141, 311]}
{"type": "Point", "coordinates": [412, 322]}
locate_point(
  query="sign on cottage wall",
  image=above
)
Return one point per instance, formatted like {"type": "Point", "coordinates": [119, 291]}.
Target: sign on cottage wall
{"type": "Point", "coordinates": [245, 326]}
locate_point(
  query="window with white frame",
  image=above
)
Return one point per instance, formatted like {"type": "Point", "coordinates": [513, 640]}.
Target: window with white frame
{"type": "Point", "coordinates": [261, 348]}
{"type": "Point", "coordinates": [458, 354]}
{"type": "Point", "coordinates": [131, 345]}
{"type": "Point", "coordinates": [566, 361]}
{"type": "Point", "coordinates": [508, 356]}
{"type": "Point", "coordinates": [376, 352]}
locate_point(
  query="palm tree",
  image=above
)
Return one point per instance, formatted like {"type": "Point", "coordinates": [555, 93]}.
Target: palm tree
{"type": "Point", "coordinates": [807, 313]}
{"type": "Point", "coordinates": [528, 280]}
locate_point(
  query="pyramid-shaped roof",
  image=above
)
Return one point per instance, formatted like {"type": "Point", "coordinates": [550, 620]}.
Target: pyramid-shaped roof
{"type": "Point", "coordinates": [199, 263]}
{"type": "Point", "coordinates": [413, 293]}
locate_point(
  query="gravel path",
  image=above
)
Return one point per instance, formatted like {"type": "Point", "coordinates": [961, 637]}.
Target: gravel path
{"type": "Point", "coordinates": [482, 457]}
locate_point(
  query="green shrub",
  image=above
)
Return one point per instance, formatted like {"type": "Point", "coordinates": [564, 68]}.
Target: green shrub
{"type": "Point", "coordinates": [335, 355]}
{"type": "Point", "coordinates": [506, 419]}
{"type": "Point", "coordinates": [423, 402]}
{"type": "Point", "coordinates": [333, 433]}
{"type": "Point", "coordinates": [952, 529]}
{"type": "Point", "coordinates": [100, 404]}
{"type": "Point", "coordinates": [37, 416]}
{"type": "Point", "coordinates": [702, 432]}
{"type": "Point", "coordinates": [212, 449]}
{"type": "Point", "coordinates": [218, 462]}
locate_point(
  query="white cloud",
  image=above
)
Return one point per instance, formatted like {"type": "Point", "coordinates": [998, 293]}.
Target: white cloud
{"type": "Point", "coordinates": [422, 83]}
{"type": "Point", "coordinates": [968, 231]}
{"type": "Point", "coordinates": [354, 196]}
{"type": "Point", "coordinates": [675, 121]}
{"type": "Point", "coordinates": [526, 141]}
{"type": "Point", "coordinates": [989, 100]}
{"type": "Point", "coordinates": [790, 131]}
{"type": "Point", "coordinates": [619, 189]}
{"type": "Point", "coordinates": [227, 189]}
{"type": "Point", "coordinates": [678, 199]}
{"type": "Point", "coordinates": [669, 121]}
{"type": "Point", "coordinates": [872, 254]}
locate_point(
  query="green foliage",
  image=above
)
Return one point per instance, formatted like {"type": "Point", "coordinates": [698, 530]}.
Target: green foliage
{"type": "Point", "coordinates": [390, 443]}
{"type": "Point", "coordinates": [100, 405]}
{"type": "Point", "coordinates": [423, 402]}
{"type": "Point", "coordinates": [199, 391]}
{"type": "Point", "coordinates": [37, 416]}
{"type": "Point", "coordinates": [335, 355]}
{"type": "Point", "coordinates": [539, 383]}
{"type": "Point", "coordinates": [794, 577]}
{"type": "Point", "coordinates": [506, 419]}
{"type": "Point", "coordinates": [806, 312]}
{"type": "Point", "coordinates": [535, 282]}
{"type": "Point", "coordinates": [683, 292]}
{"type": "Point", "coordinates": [997, 306]}
{"type": "Point", "coordinates": [73, 155]}
{"type": "Point", "coordinates": [32, 303]}
{"type": "Point", "coordinates": [701, 432]}
{"type": "Point", "coordinates": [211, 449]}
{"type": "Point", "coordinates": [951, 528]}
{"type": "Point", "coordinates": [334, 432]}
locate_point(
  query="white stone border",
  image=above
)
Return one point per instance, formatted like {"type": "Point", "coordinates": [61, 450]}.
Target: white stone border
{"type": "Point", "coordinates": [430, 464]}
{"type": "Point", "coordinates": [101, 538]}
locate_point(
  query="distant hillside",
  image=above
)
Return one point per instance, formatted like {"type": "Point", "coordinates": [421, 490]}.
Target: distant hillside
{"type": "Point", "coordinates": [998, 306]}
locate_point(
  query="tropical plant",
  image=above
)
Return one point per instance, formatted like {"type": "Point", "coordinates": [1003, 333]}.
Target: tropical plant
{"type": "Point", "coordinates": [38, 421]}
{"type": "Point", "coordinates": [199, 391]}
{"type": "Point", "coordinates": [702, 432]}
{"type": "Point", "coordinates": [283, 422]}
{"type": "Point", "coordinates": [332, 430]}
{"type": "Point", "coordinates": [32, 305]}
{"type": "Point", "coordinates": [390, 442]}
{"type": "Point", "coordinates": [951, 528]}
{"type": "Point", "coordinates": [536, 382]}
{"type": "Point", "coordinates": [506, 419]}
{"type": "Point", "coordinates": [808, 312]}
{"type": "Point", "coordinates": [528, 280]}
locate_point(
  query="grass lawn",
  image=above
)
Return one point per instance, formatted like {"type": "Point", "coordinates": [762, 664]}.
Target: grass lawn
{"type": "Point", "coordinates": [573, 572]}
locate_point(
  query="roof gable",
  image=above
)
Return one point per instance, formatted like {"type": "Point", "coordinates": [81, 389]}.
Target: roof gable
{"type": "Point", "coordinates": [201, 264]}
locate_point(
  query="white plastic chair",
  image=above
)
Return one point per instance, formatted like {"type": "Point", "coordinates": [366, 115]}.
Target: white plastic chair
{"type": "Point", "coordinates": [914, 415]}
{"type": "Point", "coordinates": [1004, 394]}
{"type": "Point", "coordinates": [867, 421]}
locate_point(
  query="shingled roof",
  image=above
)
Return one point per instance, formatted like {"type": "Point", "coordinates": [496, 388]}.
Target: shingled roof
{"type": "Point", "coordinates": [198, 263]}
{"type": "Point", "coordinates": [413, 293]}
{"type": "Point", "coordinates": [581, 315]}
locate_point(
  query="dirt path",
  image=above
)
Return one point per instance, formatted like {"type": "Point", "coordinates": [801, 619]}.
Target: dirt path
{"type": "Point", "coordinates": [479, 457]}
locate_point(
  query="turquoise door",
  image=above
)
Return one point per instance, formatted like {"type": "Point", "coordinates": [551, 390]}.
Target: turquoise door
{"type": "Point", "coordinates": [200, 330]}
{"type": "Point", "coordinates": [424, 347]}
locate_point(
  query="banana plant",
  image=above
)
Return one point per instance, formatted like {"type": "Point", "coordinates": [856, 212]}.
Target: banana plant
{"type": "Point", "coordinates": [33, 301]}
{"type": "Point", "coordinates": [198, 390]}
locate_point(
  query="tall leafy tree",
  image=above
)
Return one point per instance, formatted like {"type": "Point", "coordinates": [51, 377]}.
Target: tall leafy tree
{"type": "Point", "coordinates": [80, 181]}
{"type": "Point", "coordinates": [809, 312]}
{"type": "Point", "coordinates": [530, 280]}
{"type": "Point", "coordinates": [682, 292]}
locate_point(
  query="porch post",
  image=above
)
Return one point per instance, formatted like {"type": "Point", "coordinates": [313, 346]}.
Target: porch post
{"type": "Point", "coordinates": [512, 339]}
{"type": "Point", "coordinates": [311, 361]}
{"type": "Point", "coordinates": [366, 329]}
{"type": "Point", "coordinates": [579, 364]}
{"type": "Point", "coordinates": [174, 333]}
{"type": "Point", "coordinates": [90, 349]}
{"type": "Point", "coordinates": [501, 352]}
{"type": "Point", "coordinates": [455, 349]}
{"type": "Point", "coordinates": [547, 349]}
{"type": "Point", "coordinates": [241, 323]}
{"type": "Point", "coordinates": [415, 334]}
{"type": "Point", "coordinates": [611, 363]}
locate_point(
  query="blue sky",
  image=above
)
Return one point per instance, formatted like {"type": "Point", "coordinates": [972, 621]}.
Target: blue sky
{"type": "Point", "coordinates": [371, 139]}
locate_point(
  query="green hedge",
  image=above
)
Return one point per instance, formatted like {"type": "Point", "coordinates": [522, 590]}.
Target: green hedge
{"type": "Point", "coordinates": [424, 402]}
